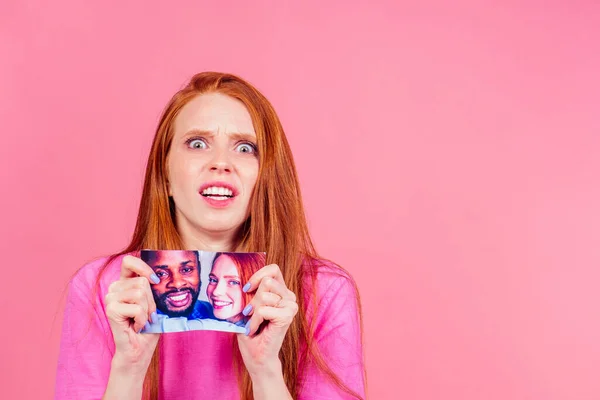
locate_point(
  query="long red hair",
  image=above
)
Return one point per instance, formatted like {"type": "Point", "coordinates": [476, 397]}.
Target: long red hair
{"type": "Point", "coordinates": [276, 224]}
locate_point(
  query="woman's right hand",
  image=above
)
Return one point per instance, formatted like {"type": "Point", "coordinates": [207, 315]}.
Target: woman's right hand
{"type": "Point", "coordinates": [129, 305]}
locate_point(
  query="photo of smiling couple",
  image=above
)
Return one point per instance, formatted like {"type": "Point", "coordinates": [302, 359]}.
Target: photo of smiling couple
{"type": "Point", "coordinates": [186, 302]}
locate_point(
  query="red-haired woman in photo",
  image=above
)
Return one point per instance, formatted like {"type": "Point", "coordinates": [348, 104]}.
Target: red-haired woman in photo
{"type": "Point", "coordinates": [224, 289]}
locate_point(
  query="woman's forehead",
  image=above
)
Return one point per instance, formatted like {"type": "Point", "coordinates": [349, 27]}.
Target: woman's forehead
{"type": "Point", "coordinates": [225, 266]}
{"type": "Point", "coordinates": [216, 113]}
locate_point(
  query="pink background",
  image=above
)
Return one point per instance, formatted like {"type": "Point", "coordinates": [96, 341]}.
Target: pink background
{"type": "Point", "coordinates": [449, 157]}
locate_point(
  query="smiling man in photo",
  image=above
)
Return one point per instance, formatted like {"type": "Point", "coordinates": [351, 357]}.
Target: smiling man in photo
{"type": "Point", "coordinates": [176, 295]}
{"type": "Point", "coordinates": [179, 274]}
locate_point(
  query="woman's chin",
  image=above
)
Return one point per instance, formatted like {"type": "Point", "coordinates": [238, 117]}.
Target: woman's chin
{"type": "Point", "coordinates": [219, 220]}
{"type": "Point", "coordinates": [233, 318]}
{"type": "Point", "coordinates": [222, 316]}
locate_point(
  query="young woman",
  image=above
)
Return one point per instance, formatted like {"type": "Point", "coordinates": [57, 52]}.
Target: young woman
{"type": "Point", "coordinates": [224, 290]}
{"type": "Point", "coordinates": [220, 177]}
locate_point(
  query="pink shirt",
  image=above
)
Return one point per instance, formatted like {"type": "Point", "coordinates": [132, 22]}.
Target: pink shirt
{"type": "Point", "coordinates": [198, 364]}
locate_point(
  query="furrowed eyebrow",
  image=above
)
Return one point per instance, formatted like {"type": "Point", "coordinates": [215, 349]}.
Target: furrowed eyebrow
{"type": "Point", "coordinates": [250, 137]}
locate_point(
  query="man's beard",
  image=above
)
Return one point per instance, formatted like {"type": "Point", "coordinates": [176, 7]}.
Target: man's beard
{"type": "Point", "coordinates": [162, 305]}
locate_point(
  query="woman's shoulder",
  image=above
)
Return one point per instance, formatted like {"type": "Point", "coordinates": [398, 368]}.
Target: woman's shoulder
{"type": "Point", "coordinates": [326, 270]}
{"type": "Point", "coordinates": [327, 280]}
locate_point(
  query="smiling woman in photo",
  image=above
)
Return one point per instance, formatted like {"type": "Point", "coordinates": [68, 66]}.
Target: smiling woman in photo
{"type": "Point", "coordinates": [224, 288]}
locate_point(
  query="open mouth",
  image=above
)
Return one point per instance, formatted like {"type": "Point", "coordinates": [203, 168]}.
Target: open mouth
{"type": "Point", "coordinates": [217, 193]}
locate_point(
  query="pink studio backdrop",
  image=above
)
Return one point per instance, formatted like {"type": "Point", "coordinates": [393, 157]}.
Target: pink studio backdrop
{"type": "Point", "coordinates": [449, 156]}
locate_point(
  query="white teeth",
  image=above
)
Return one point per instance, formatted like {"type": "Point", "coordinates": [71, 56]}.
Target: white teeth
{"type": "Point", "coordinates": [217, 190]}
{"type": "Point", "coordinates": [178, 298]}
{"type": "Point", "coordinates": [221, 303]}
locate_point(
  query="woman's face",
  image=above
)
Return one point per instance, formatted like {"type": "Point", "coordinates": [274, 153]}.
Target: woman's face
{"type": "Point", "coordinates": [212, 165]}
{"type": "Point", "coordinates": [224, 290]}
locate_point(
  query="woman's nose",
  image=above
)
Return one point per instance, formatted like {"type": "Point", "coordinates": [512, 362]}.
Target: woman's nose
{"type": "Point", "coordinates": [219, 289]}
{"type": "Point", "coordinates": [221, 163]}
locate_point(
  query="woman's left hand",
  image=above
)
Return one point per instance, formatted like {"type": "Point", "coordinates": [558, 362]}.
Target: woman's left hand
{"type": "Point", "coordinates": [274, 304]}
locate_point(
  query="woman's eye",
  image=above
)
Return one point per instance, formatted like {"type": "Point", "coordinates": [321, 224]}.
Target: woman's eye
{"type": "Point", "coordinates": [246, 148]}
{"type": "Point", "coordinates": [234, 283]}
{"type": "Point", "coordinates": [196, 143]}
{"type": "Point", "coordinates": [212, 280]}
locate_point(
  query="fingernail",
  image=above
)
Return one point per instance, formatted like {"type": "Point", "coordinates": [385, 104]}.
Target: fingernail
{"type": "Point", "coordinates": [247, 328]}
{"type": "Point", "coordinates": [155, 279]}
{"type": "Point", "coordinates": [247, 309]}
{"type": "Point", "coordinates": [153, 317]}
{"type": "Point", "coordinates": [246, 287]}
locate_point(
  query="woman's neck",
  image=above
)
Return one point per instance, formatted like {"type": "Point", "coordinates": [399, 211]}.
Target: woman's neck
{"type": "Point", "coordinates": [194, 239]}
